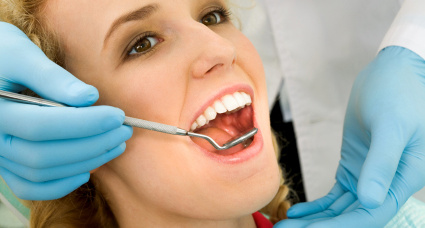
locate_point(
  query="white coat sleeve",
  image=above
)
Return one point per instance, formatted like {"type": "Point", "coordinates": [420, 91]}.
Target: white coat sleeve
{"type": "Point", "coordinates": [408, 28]}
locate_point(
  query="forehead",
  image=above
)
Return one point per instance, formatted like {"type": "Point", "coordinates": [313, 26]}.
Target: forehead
{"type": "Point", "coordinates": [64, 13]}
{"type": "Point", "coordinates": [84, 18]}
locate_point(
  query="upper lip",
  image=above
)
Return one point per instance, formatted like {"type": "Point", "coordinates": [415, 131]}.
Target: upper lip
{"type": "Point", "coordinates": [224, 91]}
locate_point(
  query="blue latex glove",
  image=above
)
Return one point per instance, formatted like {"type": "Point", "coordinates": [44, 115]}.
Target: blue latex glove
{"type": "Point", "coordinates": [383, 150]}
{"type": "Point", "coordinates": [47, 152]}
{"type": "Point", "coordinates": [340, 208]}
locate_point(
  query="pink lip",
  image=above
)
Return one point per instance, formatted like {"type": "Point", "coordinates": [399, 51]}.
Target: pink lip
{"type": "Point", "coordinates": [228, 90]}
{"type": "Point", "coordinates": [246, 154]}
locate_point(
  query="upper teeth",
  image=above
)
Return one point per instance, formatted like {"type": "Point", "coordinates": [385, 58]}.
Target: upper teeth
{"type": "Point", "coordinates": [227, 103]}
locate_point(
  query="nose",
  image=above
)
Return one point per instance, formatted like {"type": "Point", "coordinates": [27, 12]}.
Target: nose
{"type": "Point", "coordinates": [213, 53]}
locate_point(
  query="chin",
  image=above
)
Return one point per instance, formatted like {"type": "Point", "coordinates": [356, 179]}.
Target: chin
{"type": "Point", "coordinates": [255, 192]}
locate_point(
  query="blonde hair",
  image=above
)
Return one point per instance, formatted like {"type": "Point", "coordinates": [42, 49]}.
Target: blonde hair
{"type": "Point", "coordinates": [86, 206]}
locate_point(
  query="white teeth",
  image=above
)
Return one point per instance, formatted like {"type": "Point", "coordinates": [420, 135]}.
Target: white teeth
{"type": "Point", "coordinates": [219, 107]}
{"type": "Point", "coordinates": [210, 113]}
{"type": "Point", "coordinates": [230, 102]}
{"type": "Point", "coordinates": [247, 98]}
{"type": "Point", "coordinates": [201, 121]}
{"type": "Point", "coordinates": [239, 98]}
{"type": "Point", "coordinates": [194, 126]}
{"type": "Point", "coordinates": [227, 104]}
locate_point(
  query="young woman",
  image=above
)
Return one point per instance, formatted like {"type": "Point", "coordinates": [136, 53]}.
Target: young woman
{"type": "Point", "coordinates": [181, 63]}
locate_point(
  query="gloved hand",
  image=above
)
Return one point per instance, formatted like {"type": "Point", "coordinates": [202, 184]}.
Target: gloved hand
{"type": "Point", "coordinates": [383, 150]}
{"type": "Point", "coordinates": [340, 208]}
{"type": "Point", "coordinates": [47, 152]}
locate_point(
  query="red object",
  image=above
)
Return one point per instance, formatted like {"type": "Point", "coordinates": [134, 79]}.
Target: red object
{"type": "Point", "coordinates": [261, 221]}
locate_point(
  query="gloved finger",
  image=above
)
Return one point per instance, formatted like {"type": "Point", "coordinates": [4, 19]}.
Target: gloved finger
{"type": "Point", "coordinates": [296, 223]}
{"type": "Point", "coordinates": [304, 209]}
{"type": "Point", "coordinates": [337, 207]}
{"type": "Point", "coordinates": [381, 163]}
{"type": "Point", "coordinates": [36, 123]}
{"type": "Point", "coordinates": [42, 175]}
{"type": "Point", "coordinates": [409, 177]}
{"type": "Point", "coordinates": [352, 207]}
{"type": "Point", "coordinates": [50, 190]}
{"type": "Point", "coordinates": [361, 217]}
{"type": "Point", "coordinates": [30, 67]}
{"type": "Point", "coordinates": [47, 154]}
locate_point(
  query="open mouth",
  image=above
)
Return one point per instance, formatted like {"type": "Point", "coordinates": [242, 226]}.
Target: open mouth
{"type": "Point", "coordinates": [226, 119]}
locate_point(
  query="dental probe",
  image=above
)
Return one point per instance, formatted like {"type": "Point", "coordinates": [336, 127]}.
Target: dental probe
{"type": "Point", "coordinates": [130, 121]}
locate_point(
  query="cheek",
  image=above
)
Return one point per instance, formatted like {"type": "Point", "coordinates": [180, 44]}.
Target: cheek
{"type": "Point", "coordinates": [249, 60]}
{"type": "Point", "coordinates": [153, 94]}
{"type": "Point", "coordinates": [150, 165]}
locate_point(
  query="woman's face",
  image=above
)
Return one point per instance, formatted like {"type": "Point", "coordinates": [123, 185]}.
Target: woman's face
{"type": "Point", "coordinates": [170, 62]}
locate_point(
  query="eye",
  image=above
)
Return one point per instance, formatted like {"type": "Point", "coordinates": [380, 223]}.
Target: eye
{"type": "Point", "coordinates": [212, 19]}
{"type": "Point", "coordinates": [143, 45]}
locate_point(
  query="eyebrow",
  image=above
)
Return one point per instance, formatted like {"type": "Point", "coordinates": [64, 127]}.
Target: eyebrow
{"type": "Point", "coordinates": [139, 14]}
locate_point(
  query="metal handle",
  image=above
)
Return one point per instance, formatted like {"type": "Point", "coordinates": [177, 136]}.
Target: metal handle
{"type": "Point", "coordinates": [28, 99]}
{"type": "Point", "coordinates": [154, 126]}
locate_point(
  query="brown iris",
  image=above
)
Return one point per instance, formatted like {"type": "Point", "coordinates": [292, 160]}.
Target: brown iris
{"type": "Point", "coordinates": [210, 19]}
{"type": "Point", "coordinates": [143, 45]}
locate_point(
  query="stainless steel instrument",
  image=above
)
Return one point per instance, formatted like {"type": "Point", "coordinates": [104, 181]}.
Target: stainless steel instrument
{"type": "Point", "coordinates": [130, 121]}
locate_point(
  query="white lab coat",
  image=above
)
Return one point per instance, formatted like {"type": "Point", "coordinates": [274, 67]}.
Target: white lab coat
{"type": "Point", "coordinates": [316, 49]}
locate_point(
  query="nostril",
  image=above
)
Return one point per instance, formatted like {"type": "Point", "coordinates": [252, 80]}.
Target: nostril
{"type": "Point", "coordinates": [214, 67]}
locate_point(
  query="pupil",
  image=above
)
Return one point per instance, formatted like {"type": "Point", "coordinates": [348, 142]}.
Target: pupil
{"type": "Point", "coordinates": [143, 45]}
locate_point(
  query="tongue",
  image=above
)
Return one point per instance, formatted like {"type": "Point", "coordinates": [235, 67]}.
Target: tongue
{"type": "Point", "coordinates": [221, 137]}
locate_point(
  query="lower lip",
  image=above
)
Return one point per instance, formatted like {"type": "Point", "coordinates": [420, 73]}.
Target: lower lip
{"type": "Point", "coordinates": [241, 156]}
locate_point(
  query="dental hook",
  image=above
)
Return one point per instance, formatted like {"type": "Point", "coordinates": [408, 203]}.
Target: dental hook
{"type": "Point", "coordinates": [130, 121]}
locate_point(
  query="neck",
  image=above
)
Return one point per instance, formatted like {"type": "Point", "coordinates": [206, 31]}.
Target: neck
{"type": "Point", "coordinates": [168, 222]}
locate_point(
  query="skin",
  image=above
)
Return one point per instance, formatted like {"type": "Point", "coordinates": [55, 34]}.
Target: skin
{"type": "Point", "coordinates": [163, 180]}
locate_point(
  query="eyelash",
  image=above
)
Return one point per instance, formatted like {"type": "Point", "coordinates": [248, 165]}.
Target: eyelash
{"type": "Point", "coordinates": [223, 12]}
